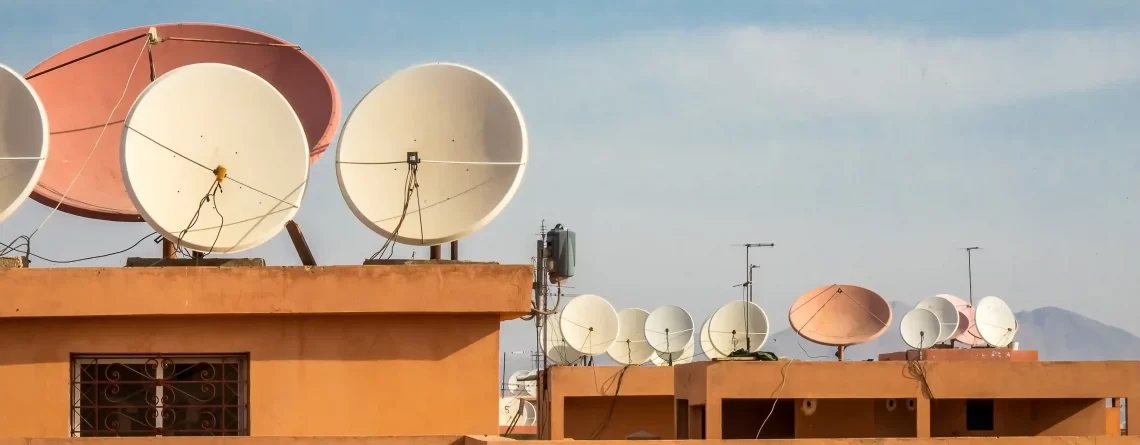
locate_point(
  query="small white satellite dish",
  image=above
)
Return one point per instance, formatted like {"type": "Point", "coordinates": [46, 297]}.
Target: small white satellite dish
{"type": "Point", "coordinates": [631, 347]}
{"type": "Point", "coordinates": [947, 315]}
{"type": "Point", "coordinates": [514, 386]}
{"type": "Point", "coordinates": [737, 325]}
{"type": "Point", "coordinates": [676, 358]}
{"type": "Point", "coordinates": [920, 328]}
{"type": "Point", "coordinates": [23, 140]}
{"type": "Point", "coordinates": [557, 351]}
{"type": "Point", "coordinates": [207, 126]}
{"type": "Point", "coordinates": [706, 342]}
{"type": "Point", "coordinates": [432, 154]}
{"type": "Point", "coordinates": [995, 321]}
{"type": "Point", "coordinates": [589, 324]}
{"type": "Point", "coordinates": [669, 329]}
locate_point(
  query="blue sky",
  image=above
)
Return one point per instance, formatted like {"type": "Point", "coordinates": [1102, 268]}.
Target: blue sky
{"type": "Point", "coordinates": [868, 140]}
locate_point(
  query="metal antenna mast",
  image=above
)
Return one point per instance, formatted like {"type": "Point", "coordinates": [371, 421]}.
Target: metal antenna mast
{"type": "Point", "coordinates": [970, 271]}
{"type": "Point", "coordinates": [748, 266]}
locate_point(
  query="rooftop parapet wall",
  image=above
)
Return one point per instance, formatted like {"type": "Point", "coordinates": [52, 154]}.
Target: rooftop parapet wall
{"type": "Point", "coordinates": [151, 291]}
{"type": "Point", "coordinates": [901, 379]}
{"type": "Point", "coordinates": [486, 440]}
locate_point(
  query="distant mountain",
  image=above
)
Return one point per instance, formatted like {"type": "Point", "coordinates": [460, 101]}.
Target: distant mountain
{"type": "Point", "coordinates": [1058, 334]}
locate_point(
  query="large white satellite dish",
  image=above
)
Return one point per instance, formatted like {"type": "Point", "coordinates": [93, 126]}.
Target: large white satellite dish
{"type": "Point", "coordinates": [557, 351]}
{"type": "Point", "coordinates": [23, 140]}
{"type": "Point", "coordinates": [589, 324]}
{"type": "Point", "coordinates": [668, 329]}
{"type": "Point", "coordinates": [706, 342]}
{"type": "Point", "coordinates": [452, 129]}
{"type": "Point", "coordinates": [206, 121]}
{"type": "Point", "coordinates": [631, 347]}
{"type": "Point", "coordinates": [995, 321]}
{"type": "Point", "coordinates": [737, 325]}
{"type": "Point", "coordinates": [676, 358]}
{"type": "Point", "coordinates": [947, 315]}
{"type": "Point", "coordinates": [920, 328]}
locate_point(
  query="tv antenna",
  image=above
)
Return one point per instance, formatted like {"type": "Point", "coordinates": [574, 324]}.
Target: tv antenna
{"type": "Point", "coordinates": [748, 266]}
{"type": "Point", "coordinates": [747, 285]}
{"type": "Point", "coordinates": [970, 271]}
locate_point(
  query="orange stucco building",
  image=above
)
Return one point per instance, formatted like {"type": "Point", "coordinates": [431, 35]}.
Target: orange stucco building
{"type": "Point", "coordinates": [951, 394]}
{"type": "Point", "coordinates": [407, 350]}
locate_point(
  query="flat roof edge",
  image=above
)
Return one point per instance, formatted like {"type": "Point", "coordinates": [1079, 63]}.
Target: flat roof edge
{"type": "Point", "coordinates": [443, 289]}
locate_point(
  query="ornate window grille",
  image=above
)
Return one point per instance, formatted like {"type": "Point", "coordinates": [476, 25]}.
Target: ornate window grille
{"type": "Point", "coordinates": [159, 395]}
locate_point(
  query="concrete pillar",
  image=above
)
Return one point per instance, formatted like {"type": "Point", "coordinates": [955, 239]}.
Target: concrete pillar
{"type": "Point", "coordinates": [922, 417]}
{"type": "Point", "coordinates": [713, 427]}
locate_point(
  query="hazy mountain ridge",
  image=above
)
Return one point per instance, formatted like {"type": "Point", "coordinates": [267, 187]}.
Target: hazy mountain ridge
{"type": "Point", "coordinates": [1058, 334]}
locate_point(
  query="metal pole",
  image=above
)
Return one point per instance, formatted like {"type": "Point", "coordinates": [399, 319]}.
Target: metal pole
{"type": "Point", "coordinates": [503, 375]}
{"type": "Point", "coordinates": [970, 272]}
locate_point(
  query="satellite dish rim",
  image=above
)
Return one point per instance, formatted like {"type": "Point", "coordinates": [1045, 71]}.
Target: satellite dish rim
{"type": "Point", "coordinates": [285, 215]}
{"type": "Point", "coordinates": [44, 149]}
{"type": "Point", "coordinates": [476, 225]}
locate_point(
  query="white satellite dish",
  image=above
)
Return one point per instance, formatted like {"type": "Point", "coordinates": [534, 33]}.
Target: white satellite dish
{"type": "Point", "coordinates": [947, 315]}
{"type": "Point", "coordinates": [557, 351]}
{"type": "Point", "coordinates": [530, 387]}
{"type": "Point", "coordinates": [736, 325]}
{"type": "Point", "coordinates": [589, 324]}
{"type": "Point", "coordinates": [530, 414]}
{"type": "Point", "coordinates": [995, 321]}
{"type": "Point", "coordinates": [517, 411]}
{"type": "Point", "coordinates": [668, 329]}
{"type": "Point", "coordinates": [706, 342]}
{"type": "Point", "coordinates": [676, 358]}
{"type": "Point", "coordinates": [209, 121]}
{"type": "Point", "coordinates": [469, 142]}
{"type": "Point", "coordinates": [920, 328]}
{"type": "Point", "coordinates": [631, 347]}
{"type": "Point", "coordinates": [514, 385]}
{"type": "Point", "coordinates": [505, 405]}
{"type": "Point", "coordinates": [23, 140]}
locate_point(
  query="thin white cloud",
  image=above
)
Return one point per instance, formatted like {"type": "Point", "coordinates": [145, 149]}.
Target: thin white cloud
{"type": "Point", "coordinates": [763, 72]}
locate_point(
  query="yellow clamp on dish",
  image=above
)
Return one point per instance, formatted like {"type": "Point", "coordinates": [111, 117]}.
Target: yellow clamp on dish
{"type": "Point", "coordinates": [220, 174]}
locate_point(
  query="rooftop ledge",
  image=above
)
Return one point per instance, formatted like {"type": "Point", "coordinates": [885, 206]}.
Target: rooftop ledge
{"type": "Point", "coordinates": [149, 291]}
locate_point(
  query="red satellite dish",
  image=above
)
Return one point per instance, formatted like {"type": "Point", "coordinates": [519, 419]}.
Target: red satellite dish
{"type": "Point", "coordinates": [79, 96]}
{"type": "Point", "coordinates": [840, 315]}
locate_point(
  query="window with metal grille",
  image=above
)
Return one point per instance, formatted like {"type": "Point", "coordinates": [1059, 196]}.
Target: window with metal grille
{"type": "Point", "coordinates": [160, 395]}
